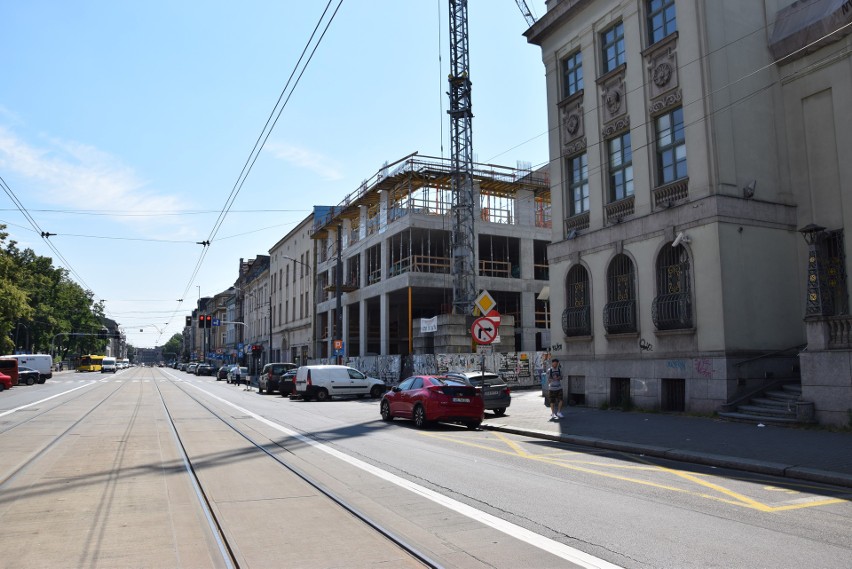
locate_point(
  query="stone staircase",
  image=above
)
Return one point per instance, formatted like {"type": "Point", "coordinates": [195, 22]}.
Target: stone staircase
{"type": "Point", "coordinates": [776, 406]}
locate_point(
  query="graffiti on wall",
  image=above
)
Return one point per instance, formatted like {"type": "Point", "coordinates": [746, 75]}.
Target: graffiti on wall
{"type": "Point", "coordinates": [519, 368]}
{"type": "Point", "coordinates": [704, 367]}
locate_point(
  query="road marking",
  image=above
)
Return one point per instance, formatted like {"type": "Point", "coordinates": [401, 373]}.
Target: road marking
{"type": "Point", "coordinates": [10, 411]}
{"type": "Point", "coordinates": [725, 495]}
{"type": "Point", "coordinates": [558, 549]}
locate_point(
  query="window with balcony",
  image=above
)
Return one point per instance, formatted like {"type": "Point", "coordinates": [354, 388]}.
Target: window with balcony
{"type": "Point", "coordinates": [578, 183]}
{"type": "Point", "coordinates": [572, 74]}
{"type": "Point", "coordinates": [672, 307]}
{"type": "Point", "coordinates": [620, 167]}
{"type": "Point", "coordinates": [661, 19]}
{"type": "Point", "coordinates": [576, 319]}
{"type": "Point", "coordinates": [620, 311]}
{"type": "Point", "coordinates": [671, 147]}
{"type": "Point", "coordinates": [612, 47]}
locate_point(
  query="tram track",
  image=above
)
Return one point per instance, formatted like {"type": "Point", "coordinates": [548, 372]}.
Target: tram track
{"type": "Point", "coordinates": [9, 477]}
{"type": "Point", "coordinates": [339, 501]}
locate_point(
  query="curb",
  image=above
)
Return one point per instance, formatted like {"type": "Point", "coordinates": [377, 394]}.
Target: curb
{"type": "Point", "coordinates": [793, 471]}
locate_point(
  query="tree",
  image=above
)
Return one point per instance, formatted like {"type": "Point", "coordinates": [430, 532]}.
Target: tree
{"type": "Point", "coordinates": [43, 301]}
{"type": "Point", "coordinates": [174, 345]}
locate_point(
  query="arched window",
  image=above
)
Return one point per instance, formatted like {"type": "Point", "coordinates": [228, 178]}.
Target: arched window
{"type": "Point", "coordinates": [619, 314]}
{"type": "Point", "coordinates": [576, 319]}
{"type": "Point", "coordinates": [672, 307]}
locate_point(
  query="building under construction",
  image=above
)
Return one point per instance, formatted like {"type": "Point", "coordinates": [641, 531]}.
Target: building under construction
{"type": "Point", "coordinates": [390, 243]}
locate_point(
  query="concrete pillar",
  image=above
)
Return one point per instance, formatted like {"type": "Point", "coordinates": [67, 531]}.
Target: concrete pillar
{"type": "Point", "coordinates": [362, 224]}
{"type": "Point", "coordinates": [527, 322]}
{"type": "Point", "coordinates": [525, 208]}
{"type": "Point", "coordinates": [345, 332]}
{"type": "Point", "coordinates": [384, 324]}
{"type": "Point", "coordinates": [347, 227]}
{"type": "Point", "coordinates": [383, 212]}
{"type": "Point", "coordinates": [362, 326]}
{"type": "Point", "coordinates": [527, 260]}
{"type": "Point", "coordinates": [329, 343]}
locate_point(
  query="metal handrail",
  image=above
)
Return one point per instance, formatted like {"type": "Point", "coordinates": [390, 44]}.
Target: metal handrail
{"type": "Point", "coordinates": [797, 348]}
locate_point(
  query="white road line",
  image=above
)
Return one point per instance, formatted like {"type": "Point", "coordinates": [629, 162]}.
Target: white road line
{"type": "Point", "coordinates": [551, 546]}
{"type": "Point", "coordinates": [10, 411]}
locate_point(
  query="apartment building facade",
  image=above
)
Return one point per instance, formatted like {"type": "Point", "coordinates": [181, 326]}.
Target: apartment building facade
{"type": "Point", "coordinates": [291, 271]}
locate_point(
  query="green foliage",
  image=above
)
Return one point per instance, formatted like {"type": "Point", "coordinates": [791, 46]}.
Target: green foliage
{"type": "Point", "coordinates": [38, 302]}
{"type": "Point", "coordinates": [174, 346]}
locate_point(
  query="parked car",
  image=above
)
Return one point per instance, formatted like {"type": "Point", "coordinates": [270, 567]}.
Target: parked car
{"type": "Point", "coordinates": [222, 372]}
{"type": "Point", "coordinates": [270, 378]}
{"type": "Point", "coordinates": [289, 377]}
{"type": "Point", "coordinates": [232, 377]}
{"type": "Point", "coordinates": [428, 398]}
{"type": "Point", "coordinates": [191, 367]}
{"type": "Point", "coordinates": [204, 369]}
{"type": "Point", "coordinates": [496, 392]}
{"type": "Point", "coordinates": [27, 375]}
{"type": "Point", "coordinates": [42, 363]}
{"type": "Point", "coordinates": [9, 366]}
{"type": "Point", "coordinates": [322, 382]}
{"type": "Point", "coordinates": [182, 366]}
{"type": "Point", "coordinates": [5, 382]}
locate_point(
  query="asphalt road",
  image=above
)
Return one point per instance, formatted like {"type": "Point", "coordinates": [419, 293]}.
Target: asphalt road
{"type": "Point", "coordinates": [461, 485]}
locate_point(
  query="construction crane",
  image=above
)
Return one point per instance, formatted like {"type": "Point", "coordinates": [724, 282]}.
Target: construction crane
{"type": "Point", "coordinates": [526, 12]}
{"type": "Point", "coordinates": [463, 239]}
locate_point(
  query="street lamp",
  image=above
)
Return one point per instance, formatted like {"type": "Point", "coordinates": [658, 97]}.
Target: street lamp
{"type": "Point", "coordinates": [17, 329]}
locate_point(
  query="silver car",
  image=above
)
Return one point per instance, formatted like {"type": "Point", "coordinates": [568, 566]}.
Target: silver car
{"type": "Point", "coordinates": [243, 375]}
{"type": "Point", "coordinates": [496, 392]}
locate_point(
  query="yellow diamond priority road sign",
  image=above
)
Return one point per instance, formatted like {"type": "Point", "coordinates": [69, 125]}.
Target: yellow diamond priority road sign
{"type": "Point", "coordinates": [485, 302]}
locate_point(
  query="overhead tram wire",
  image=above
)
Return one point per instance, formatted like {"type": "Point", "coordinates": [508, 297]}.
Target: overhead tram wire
{"type": "Point", "coordinates": [261, 141]}
{"type": "Point", "coordinates": [43, 234]}
{"type": "Point", "coordinates": [267, 127]}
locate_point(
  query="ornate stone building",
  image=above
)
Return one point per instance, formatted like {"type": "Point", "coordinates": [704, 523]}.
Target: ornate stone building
{"type": "Point", "coordinates": [691, 144]}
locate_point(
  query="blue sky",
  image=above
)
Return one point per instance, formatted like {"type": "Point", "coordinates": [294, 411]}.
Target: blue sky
{"type": "Point", "coordinates": [124, 127]}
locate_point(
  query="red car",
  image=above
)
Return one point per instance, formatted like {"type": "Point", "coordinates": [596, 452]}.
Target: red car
{"type": "Point", "coordinates": [5, 382]}
{"type": "Point", "coordinates": [428, 398]}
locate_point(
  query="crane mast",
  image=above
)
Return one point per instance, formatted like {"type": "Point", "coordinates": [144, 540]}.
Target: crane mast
{"type": "Point", "coordinates": [525, 10]}
{"type": "Point", "coordinates": [461, 147]}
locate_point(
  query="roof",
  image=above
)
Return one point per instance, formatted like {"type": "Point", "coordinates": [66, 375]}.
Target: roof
{"type": "Point", "coordinates": [414, 172]}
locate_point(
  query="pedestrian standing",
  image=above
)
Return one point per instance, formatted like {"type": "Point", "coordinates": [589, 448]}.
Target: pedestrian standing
{"type": "Point", "coordinates": [237, 378]}
{"type": "Point", "coordinates": [554, 389]}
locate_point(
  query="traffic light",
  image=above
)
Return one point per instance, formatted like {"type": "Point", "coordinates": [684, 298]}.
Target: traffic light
{"type": "Point", "coordinates": [189, 321]}
{"type": "Point", "coordinates": [208, 321]}
{"type": "Point", "coordinates": [200, 321]}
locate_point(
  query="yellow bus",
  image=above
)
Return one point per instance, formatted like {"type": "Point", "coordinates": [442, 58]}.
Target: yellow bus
{"type": "Point", "coordinates": [90, 363]}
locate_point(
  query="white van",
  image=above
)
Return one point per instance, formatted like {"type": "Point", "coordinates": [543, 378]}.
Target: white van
{"type": "Point", "coordinates": [322, 382]}
{"type": "Point", "coordinates": [108, 365]}
{"type": "Point", "coordinates": [42, 363]}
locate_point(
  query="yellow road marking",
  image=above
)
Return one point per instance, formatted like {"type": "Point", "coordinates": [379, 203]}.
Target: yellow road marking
{"type": "Point", "coordinates": [727, 496]}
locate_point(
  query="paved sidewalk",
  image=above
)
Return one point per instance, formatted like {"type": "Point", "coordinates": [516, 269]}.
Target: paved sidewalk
{"type": "Point", "coordinates": [807, 454]}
